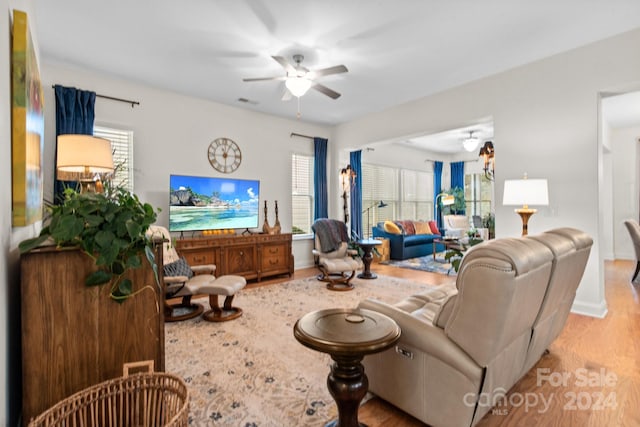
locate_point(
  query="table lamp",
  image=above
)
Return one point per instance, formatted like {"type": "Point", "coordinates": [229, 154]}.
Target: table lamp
{"type": "Point", "coordinates": [525, 192]}
{"type": "Point", "coordinates": [84, 158]}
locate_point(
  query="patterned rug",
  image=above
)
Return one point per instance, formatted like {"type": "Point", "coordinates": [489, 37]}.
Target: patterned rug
{"type": "Point", "coordinates": [251, 371]}
{"type": "Point", "coordinates": [425, 263]}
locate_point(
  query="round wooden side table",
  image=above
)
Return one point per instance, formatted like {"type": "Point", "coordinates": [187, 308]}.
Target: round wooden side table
{"type": "Point", "coordinates": [367, 246]}
{"type": "Point", "coordinates": [347, 335]}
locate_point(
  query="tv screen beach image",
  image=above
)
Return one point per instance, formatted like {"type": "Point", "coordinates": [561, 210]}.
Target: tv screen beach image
{"type": "Point", "coordinates": [208, 203]}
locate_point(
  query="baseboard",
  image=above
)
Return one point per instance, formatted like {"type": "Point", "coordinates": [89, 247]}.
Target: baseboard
{"type": "Point", "coordinates": [304, 265]}
{"type": "Point", "coordinates": [589, 309]}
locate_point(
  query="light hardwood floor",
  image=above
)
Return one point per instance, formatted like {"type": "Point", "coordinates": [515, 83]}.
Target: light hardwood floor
{"type": "Point", "coordinates": [603, 353]}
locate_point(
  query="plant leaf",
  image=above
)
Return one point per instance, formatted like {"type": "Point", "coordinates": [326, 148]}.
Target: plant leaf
{"type": "Point", "coordinates": [125, 287]}
{"type": "Point", "coordinates": [67, 228]}
{"type": "Point", "coordinates": [133, 262]}
{"type": "Point", "coordinates": [93, 220]}
{"type": "Point", "coordinates": [133, 229]}
{"type": "Point", "coordinates": [98, 277]}
{"type": "Point", "coordinates": [27, 245]}
{"type": "Point", "coordinates": [104, 239]}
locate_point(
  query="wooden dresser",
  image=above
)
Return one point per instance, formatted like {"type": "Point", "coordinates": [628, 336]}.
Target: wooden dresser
{"type": "Point", "coordinates": [252, 256]}
{"type": "Point", "coordinates": [74, 336]}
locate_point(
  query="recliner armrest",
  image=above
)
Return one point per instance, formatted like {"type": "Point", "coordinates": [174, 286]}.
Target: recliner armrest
{"type": "Point", "coordinates": [428, 338]}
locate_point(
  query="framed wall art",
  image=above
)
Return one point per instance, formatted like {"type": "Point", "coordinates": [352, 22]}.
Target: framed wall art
{"type": "Point", "coordinates": [27, 126]}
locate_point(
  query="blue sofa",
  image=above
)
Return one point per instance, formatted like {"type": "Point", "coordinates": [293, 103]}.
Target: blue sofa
{"type": "Point", "coordinates": [402, 246]}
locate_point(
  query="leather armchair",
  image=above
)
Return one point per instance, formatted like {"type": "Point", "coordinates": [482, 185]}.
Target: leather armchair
{"type": "Point", "coordinates": [481, 335]}
{"type": "Point", "coordinates": [337, 263]}
{"type": "Point", "coordinates": [338, 267]}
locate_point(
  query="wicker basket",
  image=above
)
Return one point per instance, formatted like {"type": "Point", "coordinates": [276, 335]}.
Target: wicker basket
{"type": "Point", "coordinates": [141, 399]}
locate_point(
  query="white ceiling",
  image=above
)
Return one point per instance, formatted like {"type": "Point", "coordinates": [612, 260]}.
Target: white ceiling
{"type": "Point", "coordinates": [450, 141]}
{"type": "Point", "coordinates": [396, 51]}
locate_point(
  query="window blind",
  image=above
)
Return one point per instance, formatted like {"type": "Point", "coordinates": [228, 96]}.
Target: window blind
{"type": "Point", "coordinates": [122, 149]}
{"type": "Point", "coordinates": [301, 193]}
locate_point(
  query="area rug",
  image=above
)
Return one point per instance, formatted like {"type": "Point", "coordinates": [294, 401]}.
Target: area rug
{"type": "Point", "coordinates": [425, 263]}
{"type": "Point", "coordinates": [251, 371]}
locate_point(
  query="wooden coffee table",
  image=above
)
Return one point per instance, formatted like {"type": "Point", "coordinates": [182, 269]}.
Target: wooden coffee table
{"type": "Point", "coordinates": [347, 335]}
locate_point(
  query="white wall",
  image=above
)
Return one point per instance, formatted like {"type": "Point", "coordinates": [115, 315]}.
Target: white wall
{"type": "Point", "coordinates": [624, 143]}
{"type": "Point", "coordinates": [10, 329]}
{"type": "Point", "coordinates": [606, 194]}
{"type": "Point", "coordinates": [172, 134]}
{"type": "Point", "coordinates": [546, 124]}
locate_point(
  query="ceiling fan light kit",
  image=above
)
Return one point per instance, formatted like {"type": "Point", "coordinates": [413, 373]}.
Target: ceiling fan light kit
{"type": "Point", "coordinates": [471, 143]}
{"type": "Point", "coordinates": [298, 86]}
{"type": "Point", "coordinates": [299, 79]}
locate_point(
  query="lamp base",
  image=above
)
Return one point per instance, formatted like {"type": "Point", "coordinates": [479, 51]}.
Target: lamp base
{"type": "Point", "coordinates": [91, 186]}
{"type": "Point", "coordinates": [525, 214]}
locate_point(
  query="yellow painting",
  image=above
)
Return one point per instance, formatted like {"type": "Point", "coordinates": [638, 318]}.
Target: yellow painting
{"type": "Point", "coordinates": [27, 123]}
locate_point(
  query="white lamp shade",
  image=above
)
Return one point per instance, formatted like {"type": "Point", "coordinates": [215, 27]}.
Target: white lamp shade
{"type": "Point", "coordinates": [525, 192]}
{"type": "Point", "coordinates": [298, 86]}
{"type": "Point", "coordinates": [81, 155]}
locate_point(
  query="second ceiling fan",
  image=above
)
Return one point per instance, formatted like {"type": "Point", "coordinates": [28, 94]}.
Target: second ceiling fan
{"type": "Point", "coordinates": [299, 79]}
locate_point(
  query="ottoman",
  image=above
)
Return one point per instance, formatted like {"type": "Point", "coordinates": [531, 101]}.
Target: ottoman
{"type": "Point", "coordinates": [226, 285]}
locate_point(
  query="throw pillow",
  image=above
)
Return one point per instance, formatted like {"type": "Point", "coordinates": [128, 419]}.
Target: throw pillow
{"type": "Point", "coordinates": [407, 226]}
{"type": "Point", "coordinates": [178, 268]}
{"type": "Point", "coordinates": [391, 228]}
{"type": "Point", "coordinates": [434, 227]}
{"type": "Point", "coordinates": [422, 227]}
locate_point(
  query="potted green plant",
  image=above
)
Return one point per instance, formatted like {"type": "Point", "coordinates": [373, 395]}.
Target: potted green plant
{"type": "Point", "coordinates": [454, 254]}
{"type": "Point", "coordinates": [459, 204]}
{"type": "Point", "coordinates": [109, 227]}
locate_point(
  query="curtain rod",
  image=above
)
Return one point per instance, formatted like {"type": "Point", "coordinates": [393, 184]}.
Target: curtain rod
{"type": "Point", "coordinates": [128, 101]}
{"type": "Point", "coordinates": [300, 135]}
{"type": "Point", "coordinates": [466, 161]}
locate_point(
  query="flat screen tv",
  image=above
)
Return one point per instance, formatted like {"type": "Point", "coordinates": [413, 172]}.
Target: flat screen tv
{"type": "Point", "coordinates": [208, 203]}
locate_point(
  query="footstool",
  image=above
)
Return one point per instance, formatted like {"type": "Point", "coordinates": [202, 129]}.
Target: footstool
{"type": "Point", "coordinates": [226, 285]}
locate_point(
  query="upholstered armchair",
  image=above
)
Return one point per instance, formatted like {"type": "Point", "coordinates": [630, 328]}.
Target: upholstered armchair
{"type": "Point", "coordinates": [337, 263]}
{"type": "Point", "coordinates": [634, 231]}
{"type": "Point", "coordinates": [180, 279]}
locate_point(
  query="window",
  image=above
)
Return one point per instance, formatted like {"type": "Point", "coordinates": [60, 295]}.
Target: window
{"type": "Point", "coordinates": [301, 193]}
{"type": "Point", "coordinates": [417, 195]}
{"type": "Point", "coordinates": [379, 183]}
{"type": "Point", "coordinates": [407, 193]}
{"type": "Point", "coordinates": [122, 148]}
{"type": "Point", "coordinates": [477, 195]}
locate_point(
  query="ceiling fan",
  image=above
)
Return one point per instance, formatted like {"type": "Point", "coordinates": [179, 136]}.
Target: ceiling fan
{"type": "Point", "coordinates": [299, 79]}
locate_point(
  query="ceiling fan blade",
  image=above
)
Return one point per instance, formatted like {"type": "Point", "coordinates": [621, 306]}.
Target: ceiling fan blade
{"type": "Point", "coordinates": [260, 79]}
{"type": "Point", "coordinates": [285, 64]}
{"type": "Point", "coordinates": [323, 89]}
{"type": "Point", "coordinates": [330, 70]}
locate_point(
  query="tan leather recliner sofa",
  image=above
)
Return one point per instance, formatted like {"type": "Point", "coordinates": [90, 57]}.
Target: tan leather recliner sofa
{"type": "Point", "coordinates": [463, 346]}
